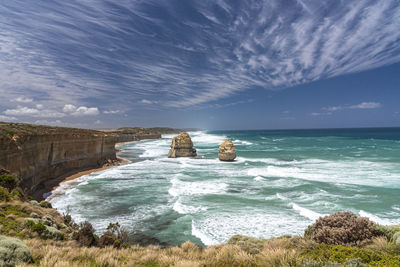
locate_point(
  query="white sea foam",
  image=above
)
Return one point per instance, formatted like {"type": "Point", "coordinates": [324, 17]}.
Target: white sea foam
{"type": "Point", "coordinates": [258, 178]}
{"type": "Point", "coordinates": [396, 208]}
{"type": "Point", "coordinates": [181, 188]}
{"type": "Point", "coordinates": [186, 209]}
{"type": "Point", "coordinates": [203, 237]}
{"type": "Point", "coordinates": [218, 228]}
{"type": "Point", "coordinates": [242, 142]}
{"type": "Point", "coordinates": [377, 219]}
{"type": "Point", "coordinates": [203, 138]}
{"type": "Point", "coordinates": [312, 215]}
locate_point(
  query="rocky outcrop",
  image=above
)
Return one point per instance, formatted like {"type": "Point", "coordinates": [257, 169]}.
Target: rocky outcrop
{"type": "Point", "coordinates": [227, 151]}
{"type": "Point", "coordinates": [43, 156]}
{"type": "Point", "coordinates": [182, 146]}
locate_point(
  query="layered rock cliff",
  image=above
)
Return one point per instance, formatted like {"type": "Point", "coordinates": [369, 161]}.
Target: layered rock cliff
{"type": "Point", "coordinates": [42, 156]}
{"type": "Point", "coordinates": [182, 146]}
{"type": "Point", "coordinates": [227, 151]}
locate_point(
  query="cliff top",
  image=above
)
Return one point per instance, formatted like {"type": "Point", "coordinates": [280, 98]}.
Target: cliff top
{"type": "Point", "coordinates": [23, 129]}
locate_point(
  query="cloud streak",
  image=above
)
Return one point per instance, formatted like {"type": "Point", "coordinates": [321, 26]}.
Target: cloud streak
{"type": "Point", "coordinates": [186, 54]}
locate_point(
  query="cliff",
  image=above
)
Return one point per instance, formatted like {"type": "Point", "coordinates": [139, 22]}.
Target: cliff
{"type": "Point", "coordinates": [132, 134]}
{"type": "Point", "coordinates": [42, 156]}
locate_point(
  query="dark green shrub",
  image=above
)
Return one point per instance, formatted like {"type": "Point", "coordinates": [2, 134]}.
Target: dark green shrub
{"type": "Point", "coordinates": [115, 235]}
{"type": "Point", "coordinates": [85, 236]}
{"type": "Point", "coordinates": [342, 228]}
{"type": "Point", "coordinates": [107, 239]}
{"type": "Point", "coordinates": [45, 204]}
{"type": "Point", "coordinates": [4, 195]}
{"type": "Point", "coordinates": [18, 193]}
{"type": "Point", "coordinates": [36, 227]}
{"type": "Point", "coordinates": [8, 181]}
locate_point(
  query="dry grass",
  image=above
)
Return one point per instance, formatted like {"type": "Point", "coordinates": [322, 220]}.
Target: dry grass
{"type": "Point", "coordinates": [69, 253]}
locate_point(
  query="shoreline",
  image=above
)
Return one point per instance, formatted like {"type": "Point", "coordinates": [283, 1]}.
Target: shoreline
{"type": "Point", "coordinates": [120, 161]}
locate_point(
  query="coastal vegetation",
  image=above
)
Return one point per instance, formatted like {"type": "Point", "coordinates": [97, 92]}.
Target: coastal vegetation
{"type": "Point", "coordinates": [34, 234]}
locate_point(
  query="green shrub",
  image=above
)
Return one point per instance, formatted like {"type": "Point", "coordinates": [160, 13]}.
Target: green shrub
{"type": "Point", "coordinates": [45, 204]}
{"type": "Point", "coordinates": [115, 235]}
{"type": "Point", "coordinates": [342, 228]}
{"type": "Point", "coordinates": [4, 195]}
{"type": "Point", "coordinates": [341, 254]}
{"type": "Point", "coordinates": [13, 251]}
{"type": "Point", "coordinates": [36, 227]}
{"type": "Point", "coordinates": [18, 193]}
{"type": "Point", "coordinates": [85, 236]}
{"type": "Point", "coordinates": [8, 181]}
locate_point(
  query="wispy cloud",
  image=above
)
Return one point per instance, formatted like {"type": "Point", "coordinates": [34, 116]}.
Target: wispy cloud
{"type": "Point", "coordinates": [367, 105]}
{"type": "Point", "coordinates": [362, 105]}
{"type": "Point", "coordinates": [22, 99]}
{"type": "Point", "coordinates": [81, 52]}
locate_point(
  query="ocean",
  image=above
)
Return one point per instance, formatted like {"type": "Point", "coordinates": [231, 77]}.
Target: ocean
{"type": "Point", "coordinates": [280, 183]}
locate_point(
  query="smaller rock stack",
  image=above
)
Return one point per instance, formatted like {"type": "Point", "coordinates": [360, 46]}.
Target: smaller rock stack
{"type": "Point", "coordinates": [182, 146]}
{"type": "Point", "coordinates": [227, 151]}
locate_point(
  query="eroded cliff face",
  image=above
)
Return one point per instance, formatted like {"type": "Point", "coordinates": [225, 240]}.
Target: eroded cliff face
{"type": "Point", "coordinates": [42, 156]}
{"type": "Point", "coordinates": [43, 159]}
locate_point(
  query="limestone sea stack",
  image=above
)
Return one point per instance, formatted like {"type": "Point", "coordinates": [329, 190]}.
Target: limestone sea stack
{"type": "Point", "coordinates": [182, 146]}
{"type": "Point", "coordinates": [227, 151]}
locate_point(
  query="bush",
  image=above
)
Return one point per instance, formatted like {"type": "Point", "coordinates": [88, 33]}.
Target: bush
{"type": "Point", "coordinates": [4, 195]}
{"type": "Point", "coordinates": [18, 193]}
{"type": "Point", "coordinates": [341, 254]}
{"type": "Point", "coordinates": [8, 181]}
{"type": "Point", "coordinates": [85, 236]}
{"type": "Point", "coordinates": [342, 228]}
{"type": "Point", "coordinates": [45, 204]}
{"type": "Point", "coordinates": [36, 227]}
{"type": "Point", "coordinates": [13, 251]}
{"type": "Point", "coordinates": [115, 235]}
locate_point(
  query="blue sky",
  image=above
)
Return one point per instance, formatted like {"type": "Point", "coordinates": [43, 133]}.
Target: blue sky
{"type": "Point", "coordinates": [221, 64]}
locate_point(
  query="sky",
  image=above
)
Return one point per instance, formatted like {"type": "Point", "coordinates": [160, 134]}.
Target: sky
{"type": "Point", "coordinates": [221, 64]}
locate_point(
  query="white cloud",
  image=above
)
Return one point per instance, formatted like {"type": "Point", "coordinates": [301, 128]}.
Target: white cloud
{"type": "Point", "coordinates": [69, 108]}
{"type": "Point", "coordinates": [146, 101]}
{"type": "Point", "coordinates": [33, 112]}
{"type": "Point", "coordinates": [367, 105]}
{"type": "Point", "coordinates": [23, 99]}
{"type": "Point", "coordinates": [7, 118]}
{"type": "Point", "coordinates": [85, 111]}
{"type": "Point", "coordinates": [362, 105]}
{"type": "Point", "coordinates": [321, 113]}
{"type": "Point", "coordinates": [112, 111]}
{"type": "Point", "coordinates": [80, 111]}
{"type": "Point", "coordinates": [39, 106]}
{"type": "Point", "coordinates": [262, 43]}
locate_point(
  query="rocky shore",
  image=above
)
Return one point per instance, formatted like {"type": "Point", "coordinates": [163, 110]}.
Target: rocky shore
{"type": "Point", "coordinates": [43, 156]}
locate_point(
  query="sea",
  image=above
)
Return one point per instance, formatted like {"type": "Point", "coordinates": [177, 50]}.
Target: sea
{"type": "Point", "coordinates": [280, 183]}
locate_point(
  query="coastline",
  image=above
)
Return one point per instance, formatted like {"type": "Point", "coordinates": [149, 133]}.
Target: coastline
{"type": "Point", "coordinates": [120, 161]}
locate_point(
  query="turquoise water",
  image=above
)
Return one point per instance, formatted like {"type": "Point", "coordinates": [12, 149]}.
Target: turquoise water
{"type": "Point", "coordinates": [279, 184]}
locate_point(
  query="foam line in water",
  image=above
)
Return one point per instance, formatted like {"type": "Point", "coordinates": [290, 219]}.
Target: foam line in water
{"type": "Point", "coordinates": [312, 215]}
{"type": "Point", "coordinates": [185, 209]}
{"type": "Point", "coordinates": [377, 219]}
{"type": "Point", "coordinates": [203, 237]}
